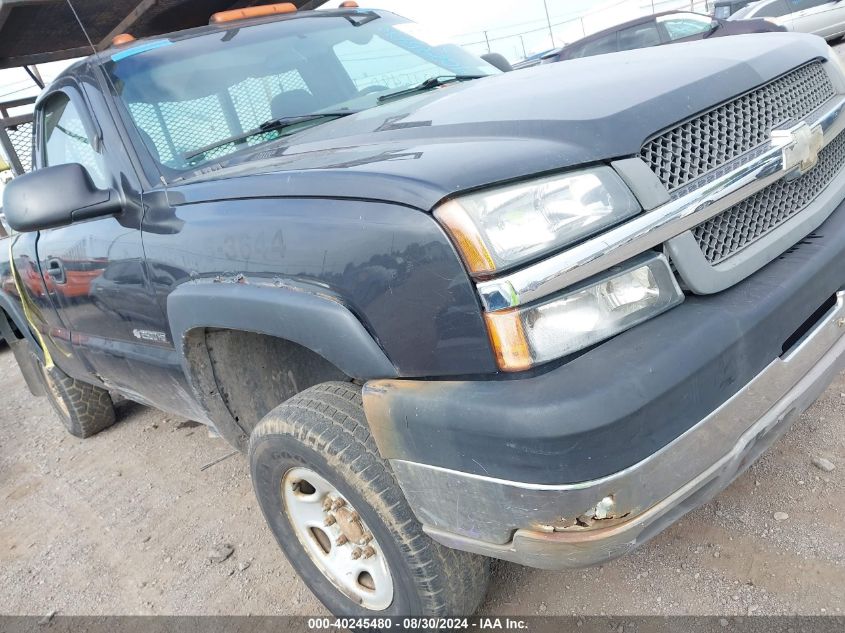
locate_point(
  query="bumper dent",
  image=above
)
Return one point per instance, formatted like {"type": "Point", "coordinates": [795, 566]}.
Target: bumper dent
{"type": "Point", "coordinates": [538, 524]}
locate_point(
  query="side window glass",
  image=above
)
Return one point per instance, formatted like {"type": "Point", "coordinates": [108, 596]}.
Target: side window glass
{"type": "Point", "coordinates": [65, 140]}
{"type": "Point", "coordinates": [640, 36]}
{"type": "Point", "coordinates": [774, 9]}
{"type": "Point", "coordinates": [800, 5]}
{"type": "Point", "coordinates": [679, 28]}
{"type": "Point", "coordinates": [606, 44]}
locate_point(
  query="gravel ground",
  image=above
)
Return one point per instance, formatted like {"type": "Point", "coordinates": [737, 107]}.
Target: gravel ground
{"type": "Point", "coordinates": [123, 523]}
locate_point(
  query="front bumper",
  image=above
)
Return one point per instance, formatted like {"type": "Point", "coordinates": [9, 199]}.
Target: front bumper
{"type": "Point", "coordinates": [660, 418]}
{"type": "Point", "coordinates": [680, 477]}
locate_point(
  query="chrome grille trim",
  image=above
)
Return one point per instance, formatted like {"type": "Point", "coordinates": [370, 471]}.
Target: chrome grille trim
{"type": "Point", "coordinates": [652, 229]}
{"type": "Point", "coordinates": [696, 147]}
{"type": "Point", "coordinates": [724, 235]}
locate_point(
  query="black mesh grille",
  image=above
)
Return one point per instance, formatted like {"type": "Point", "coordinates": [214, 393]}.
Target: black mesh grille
{"type": "Point", "coordinates": [694, 148]}
{"type": "Point", "coordinates": [21, 137]}
{"type": "Point", "coordinates": [734, 229]}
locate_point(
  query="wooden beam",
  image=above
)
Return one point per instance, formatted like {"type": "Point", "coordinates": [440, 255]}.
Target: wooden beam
{"type": "Point", "coordinates": [16, 103]}
{"type": "Point", "coordinates": [126, 23]}
{"type": "Point", "coordinates": [14, 121]}
{"type": "Point", "coordinates": [43, 58]}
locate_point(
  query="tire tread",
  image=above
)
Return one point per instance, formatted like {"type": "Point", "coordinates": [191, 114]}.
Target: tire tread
{"type": "Point", "coordinates": [330, 419]}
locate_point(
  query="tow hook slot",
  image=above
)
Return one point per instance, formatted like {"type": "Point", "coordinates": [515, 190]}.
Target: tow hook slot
{"type": "Point", "coordinates": [808, 326]}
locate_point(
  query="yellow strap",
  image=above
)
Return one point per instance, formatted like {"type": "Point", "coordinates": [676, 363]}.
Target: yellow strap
{"type": "Point", "coordinates": [28, 308]}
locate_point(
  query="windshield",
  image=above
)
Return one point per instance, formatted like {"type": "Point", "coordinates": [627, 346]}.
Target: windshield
{"type": "Point", "coordinates": [189, 94]}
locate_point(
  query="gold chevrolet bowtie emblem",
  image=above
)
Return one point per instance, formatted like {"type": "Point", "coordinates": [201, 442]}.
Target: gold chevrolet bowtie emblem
{"type": "Point", "coordinates": [801, 146]}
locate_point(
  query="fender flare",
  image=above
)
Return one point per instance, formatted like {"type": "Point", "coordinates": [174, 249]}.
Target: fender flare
{"type": "Point", "coordinates": [15, 315]}
{"type": "Point", "coordinates": [307, 316]}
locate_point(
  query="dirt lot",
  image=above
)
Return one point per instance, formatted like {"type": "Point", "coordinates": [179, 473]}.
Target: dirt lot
{"type": "Point", "coordinates": [123, 524]}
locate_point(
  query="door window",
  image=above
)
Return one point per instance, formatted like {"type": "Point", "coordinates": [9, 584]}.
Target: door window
{"type": "Point", "coordinates": [683, 25]}
{"type": "Point", "coordinates": [640, 36]}
{"type": "Point", "coordinates": [801, 5]}
{"type": "Point", "coordinates": [606, 44]}
{"type": "Point", "coordinates": [66, 141]}
{"type": "Point", "coordinates": [774, 9]}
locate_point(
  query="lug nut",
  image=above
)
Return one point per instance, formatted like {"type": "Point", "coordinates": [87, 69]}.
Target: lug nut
{"type": "Point", "coordinates": [356, 553]}
{"type": "Point", "coordinates": [327, 504]}
{"type": "Point", "coordinates": [365, 539]}
{"type": "Point", "coordinates": [369, 551]}
{"type": "Point", "coordinates": [337, 504]}
{"type": "Point", "coordinates": [330, 520]}
{"type": "Point", "coordinates": [342, 540]}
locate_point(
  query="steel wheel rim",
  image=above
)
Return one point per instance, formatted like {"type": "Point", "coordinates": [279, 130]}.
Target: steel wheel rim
{"type": "Point", "coordinates": [336, 539]}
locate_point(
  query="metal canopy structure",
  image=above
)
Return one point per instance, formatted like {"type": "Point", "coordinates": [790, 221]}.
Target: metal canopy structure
{"type": "Point", "coordinates": [39, 31]}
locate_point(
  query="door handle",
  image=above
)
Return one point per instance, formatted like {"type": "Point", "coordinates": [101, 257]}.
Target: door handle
{"type": "Point", "coordinates": [56, 270]}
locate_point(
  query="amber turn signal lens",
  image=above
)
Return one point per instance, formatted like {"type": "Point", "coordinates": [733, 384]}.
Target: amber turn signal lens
{"type": "Point", "coordinates": [508, 339]}
{"type": "Point", "coordinates": [349, 4]}
{"type": "Point", "coordinates": [123, 38]}
{"type": "Point", "coordinates": [466, 238]}
{"type": "Point", "coordinates": [252, 12]}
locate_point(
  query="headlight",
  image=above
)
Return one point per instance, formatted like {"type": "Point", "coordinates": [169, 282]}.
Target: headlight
{"type": "Point", "coordinates": [620, 299]}
{"type": "Point", "coordinates": [500, 228]}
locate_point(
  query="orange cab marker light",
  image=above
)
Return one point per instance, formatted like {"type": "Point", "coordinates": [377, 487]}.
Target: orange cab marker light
{"type": "Point", "coordinates": [349, 4]}
{"type": "Point", "coordinates": [465, 235]}
{"type": "Point", "coordinates": [123, 38]}
{"type": "Point", "coordinates": [508, 340]}
{"type": "Point", "coordinates": [252, 12]}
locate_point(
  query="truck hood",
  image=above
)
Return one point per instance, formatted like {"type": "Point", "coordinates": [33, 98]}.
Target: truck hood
{"type": "Point", "coordinates": [418, 150]}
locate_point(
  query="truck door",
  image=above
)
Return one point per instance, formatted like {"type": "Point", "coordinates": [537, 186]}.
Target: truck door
{"type": "Point", "coordinates": [93, 271]}
{"type": "Point", "coordinates": [814, 16]}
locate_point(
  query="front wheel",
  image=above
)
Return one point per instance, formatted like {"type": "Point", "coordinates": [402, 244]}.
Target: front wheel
{"type": "Point", "coordinates": [341, 519]}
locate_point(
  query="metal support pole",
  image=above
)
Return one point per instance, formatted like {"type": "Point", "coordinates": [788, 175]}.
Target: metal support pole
{"type": "Point", "coordinates": [549, 22]}
{"type": "Point", "coordinates": [32, 71]}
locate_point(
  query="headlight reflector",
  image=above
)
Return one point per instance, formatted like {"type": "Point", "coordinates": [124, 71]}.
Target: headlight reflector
{"type": "Point", "coordinates": [499, 228]}
{"type": "Point", "coordinates": [622, 298]}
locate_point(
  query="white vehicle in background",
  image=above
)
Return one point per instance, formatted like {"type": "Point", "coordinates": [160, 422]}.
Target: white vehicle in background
{"type": "Point", "coordinates": [819, 17]}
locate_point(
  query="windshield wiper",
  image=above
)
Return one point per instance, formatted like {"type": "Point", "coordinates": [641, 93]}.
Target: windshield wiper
{"type": "Point", "coordinates": [273, 125]}
{"type": "Point", "coordinates": [428, 84]}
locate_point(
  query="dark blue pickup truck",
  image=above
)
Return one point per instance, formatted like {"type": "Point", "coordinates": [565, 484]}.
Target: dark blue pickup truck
{"type": "Point", "coordinates": [450, 313]}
